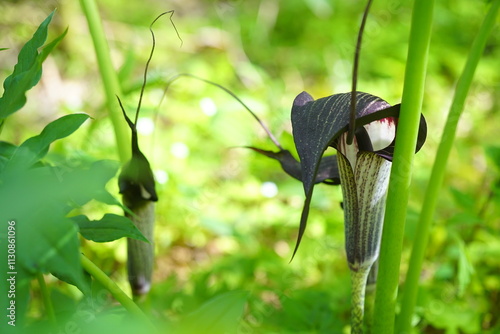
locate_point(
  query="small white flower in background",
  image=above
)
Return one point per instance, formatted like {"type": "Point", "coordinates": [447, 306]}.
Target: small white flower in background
{"type": "Point", "coordinates": [145, 126]}
{"type": "Point", "coordinates": [208, 106]}
{"type": "Point", "coordinates": [179, 150]}
{"type": "Point", "coordinates": [269, 189]}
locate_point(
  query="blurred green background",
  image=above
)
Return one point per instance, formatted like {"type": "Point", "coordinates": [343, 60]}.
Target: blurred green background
{"type": "Point", "coordinates": [228, 218]}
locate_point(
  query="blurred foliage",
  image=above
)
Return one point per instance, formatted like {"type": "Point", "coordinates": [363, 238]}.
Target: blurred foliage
{"type": "Point", "coordinates": [218, 230]}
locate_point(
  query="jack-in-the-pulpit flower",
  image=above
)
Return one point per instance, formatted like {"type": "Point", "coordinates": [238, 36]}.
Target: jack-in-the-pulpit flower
{"type": "Point", "coordinates": [364, 167]}
{"type": "Point", "coordinates": [318, 124]}
{"type": "Point", "coordinates": [137, 185]}
{"type": "Point", "coordinates": [361, 168]}
{"type": "Point", "coordinates": [364, 178]}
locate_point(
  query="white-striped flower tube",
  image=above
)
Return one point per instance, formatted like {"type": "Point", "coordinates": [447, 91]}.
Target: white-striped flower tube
{"type": "Point", "coordinates": [364, 178]}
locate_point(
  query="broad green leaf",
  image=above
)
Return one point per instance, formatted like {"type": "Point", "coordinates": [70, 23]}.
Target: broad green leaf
{"type": "Point", "coordinates": [37, 199]}
{"type": "Point", "coordinates": [221, 314]}
{"type": "Point", "coordinates": [46, 241]}
{"type": "Point", "coordinates": [89, 183]}
{"type": "Point", "coordinates": [106, 198]}
{"type": "Point", "coordinates": [6, 151]}
{"type": "Point", "coordinates": [108, 228]}
{"type": "Point", "coordinates": [35, 148]}
{"type": "Point", "coordinates": [27, 71]}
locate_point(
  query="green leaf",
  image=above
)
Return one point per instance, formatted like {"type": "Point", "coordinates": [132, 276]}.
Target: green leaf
{"type": "Point", "coordinates": [452, 317]}
{"type": "Point", "coordinates": [106, 198]}
{"type": "Point", "coordinates": [27, 71]}
{"type": "Point", "coordinates": [221, 314]}
{"type": "Point", "coordinates": [7, 149]}
{"type": "Point", "coordinates": [89, 183]}
{"type": "Point", "coordinates": [493, 153]}
{"type": "Point", "coordinates": [46, 241]}
{"type": "Point", "coordinates": [38, 200]}
{"type": "Point", "coordinates": [465, 268]}
{"type": "Point", "coordinates": [35, 148]}
{"type": "Point", "coordinates": [464, 201]}
{"type": "Point", "coordinates": [466, 218]}
{"type": "Point", "coordinates": [108, 228]}
{"type": "Point", "coordinates": [29, 52]}
{"type": "Point", "coordinates": [6, 152]}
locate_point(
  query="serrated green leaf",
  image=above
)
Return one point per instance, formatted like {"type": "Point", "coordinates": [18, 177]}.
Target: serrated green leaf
{"type": "Point", "coordinates": [221, 314]}
{"type": "Point", "coordinates": [27, 71]}
{"type": "Point", "coordinates": [110, 227]}
{"type": "Point", "coordinates": [35, 148]}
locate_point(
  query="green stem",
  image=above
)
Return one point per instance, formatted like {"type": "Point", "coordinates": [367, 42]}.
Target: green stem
{"type": "Point", "coordinates": [439, 169]}
{"type": "Point", "coordinates": [371, 284]}
{"type": "Point", "coordinates": [358, 282]}
{"type": "Point", "coordinates": [399, 183]}
{"type": "Point", "coordinates": [116, 292]}
{"type": "Point", "coordinates": [109, 78]}
{"type": "Point", "coordinates": [46, 299]}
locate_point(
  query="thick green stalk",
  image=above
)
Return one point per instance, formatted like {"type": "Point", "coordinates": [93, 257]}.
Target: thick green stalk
{"type": "Point", "coordinates": [116, 292]}
{"type": "Point", "coordinates": [109, 78]}
{"type": "Point", "coordinates": [399, 183]}
{"type": "Point", "coordinates": [439, 169]}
